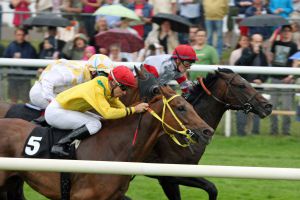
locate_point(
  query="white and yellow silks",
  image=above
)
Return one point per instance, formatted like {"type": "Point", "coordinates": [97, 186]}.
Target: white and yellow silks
{"type": "Point", "coordinates": [164, 124]}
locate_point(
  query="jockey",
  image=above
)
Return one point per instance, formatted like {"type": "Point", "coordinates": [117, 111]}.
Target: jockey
{"type": "Point", "coordinates": [68, 109]}
{"type": "Point", "coordinates": [64, 74]}
{"type": "Point", "coordinates": [173, 67]}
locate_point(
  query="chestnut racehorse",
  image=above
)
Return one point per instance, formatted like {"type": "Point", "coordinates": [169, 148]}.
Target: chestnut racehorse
{"type": "Point", "coordinates": [113, 143]}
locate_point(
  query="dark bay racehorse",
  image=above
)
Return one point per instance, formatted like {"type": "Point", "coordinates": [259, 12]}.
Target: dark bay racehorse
{"type": "Point", "coordinates": [113, 143]}
{"type": "Point", "coordinates": [218, 92]}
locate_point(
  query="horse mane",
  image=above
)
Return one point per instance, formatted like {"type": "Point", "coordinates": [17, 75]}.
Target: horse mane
{"type": "Point", "coordinates": [209, 80]}
{"type": "Point", "coordinates": [166, 89]}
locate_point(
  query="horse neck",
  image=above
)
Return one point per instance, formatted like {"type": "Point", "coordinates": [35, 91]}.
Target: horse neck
{"type": "Point", "coordinates": [209, 109]}
{"type": "Point", "coordinates": [114, 140]}
{"type": "Point", "coordinates": [149, 131]}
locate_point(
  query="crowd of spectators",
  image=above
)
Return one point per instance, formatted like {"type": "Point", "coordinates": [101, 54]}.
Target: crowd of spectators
{"type": "Point", "coordinates": [255, 46]}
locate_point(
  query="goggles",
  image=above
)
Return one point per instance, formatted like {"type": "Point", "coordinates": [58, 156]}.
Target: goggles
{"type": "Point", "coordinates": [186, 63]}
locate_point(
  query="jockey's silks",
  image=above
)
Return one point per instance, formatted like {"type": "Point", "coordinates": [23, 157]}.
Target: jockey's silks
{"type": "Point", "coordinates": [92, 95]}
{"type": "Point", "coordinates": [61, 75]}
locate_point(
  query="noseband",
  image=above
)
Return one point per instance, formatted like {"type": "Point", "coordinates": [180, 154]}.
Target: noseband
{"type": "Point", "coordinates": [186, 132]}
{"type": "Point", "coordinates": [246, 107]}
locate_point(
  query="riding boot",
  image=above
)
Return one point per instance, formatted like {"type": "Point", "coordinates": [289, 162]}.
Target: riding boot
{"type": "Point", "coordinates": [63, 144]}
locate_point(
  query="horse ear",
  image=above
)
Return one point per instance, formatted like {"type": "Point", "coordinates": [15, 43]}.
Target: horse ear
{"type": "Point", "coordinates": [139, 73]}
{"type": "Point", "coordinates": [143, 68]}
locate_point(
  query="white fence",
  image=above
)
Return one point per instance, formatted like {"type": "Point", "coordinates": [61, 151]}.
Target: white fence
{"type": "Point", "coordinates": [129, 168]}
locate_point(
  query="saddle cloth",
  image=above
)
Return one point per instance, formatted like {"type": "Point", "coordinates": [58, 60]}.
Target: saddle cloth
{"type": "Point", "coordinates": [24, 111]}
{"type": "Point", "coordinates": [41, 140]}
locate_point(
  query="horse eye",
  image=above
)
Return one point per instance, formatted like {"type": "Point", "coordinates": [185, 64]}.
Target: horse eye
{"type": "Point", "coordinates": [181, 108]}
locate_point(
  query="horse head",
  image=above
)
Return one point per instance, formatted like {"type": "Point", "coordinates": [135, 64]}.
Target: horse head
{"type": "Point", "coordinates": [233, 91]}
{"type": "Point", "coordinates": [179, 117]}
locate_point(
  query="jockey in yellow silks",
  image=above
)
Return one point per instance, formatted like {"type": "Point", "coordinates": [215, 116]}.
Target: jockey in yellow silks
{"type": "Point", "coordinates": [69, 109]}
{"type": "Point", "coordinates": [64, 74]}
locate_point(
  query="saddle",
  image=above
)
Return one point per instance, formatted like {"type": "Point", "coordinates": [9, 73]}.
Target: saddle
{"type": "Point", "coordinates": [26, 111]}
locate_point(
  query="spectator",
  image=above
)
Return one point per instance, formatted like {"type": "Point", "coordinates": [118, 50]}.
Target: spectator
{"type": "Point", "coordinates": [280, 52]}
{"type": "Point", "coordinates": [192, 35]}
{"type": "Point", "coordinates": [151, 50]}
{"type": "Point", "coordinates": [115, 54]}
{"type": "Point", "coordinates": [124, 24]}
{"type": "Point", "coordinates": [51, 47]}
{"type": "Point", "coordinates": [112, 21]}
{"type": "Point", "coordinates": [215, 11]}
{"type": "Point", "coordinates": [243, 5]}
{"type": "Point", "coordinates": [193, 12]}
{"type": "Point", "coordinates": [251, 56]}
{"type": "Point", "coordinates": [145, 11]}
{"type": "Point", "coordinates": [73, 7]}
{"type": "Point", "coordinates": [42, 6]}
{"type": "Point", "coordinates": [101, 25]}
{"type": "Point", "coordinates": [166, 6]}
{"type": "Point", "coordinates": [164, 36]}
{"type": "Point", "coordinates": [74, 49]}
{"type": "Point", "coordinates": [258, 8]}
{"type": "Point", "coordinates": [20, 6]}
{"type": "Point", "coordinates": [281, 7]}
{"type": "Point", "coordinates": [19, 85]}
{"type": "Point", "coordinates": [89, 7]}
{"type": "Point", "coordinates": [89, 51]}
{"type": "Point", "coordinates": [206, 54]}
{"type": "Point", "coordinates": [243, 43]}
{"type": "Point", "coordinates": [232, 12]}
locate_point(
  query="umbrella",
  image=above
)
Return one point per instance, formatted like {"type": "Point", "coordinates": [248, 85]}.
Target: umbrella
{"type": "Point", "coordinates": [47, 20]}
{"type": "Point", "coordinates": [178, 23]}
{"type": "Point", "coordinates": [117, 10]}
{"type": "Point", "coordinates": [264, 20]}
{"type": "Point", "coordinates": [128, 41]}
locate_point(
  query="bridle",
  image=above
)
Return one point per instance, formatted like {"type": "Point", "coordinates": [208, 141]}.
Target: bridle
{"type": "Point", "coordinates": [186, 132]}
{"type": "Point", "coordinates": [246, 107]}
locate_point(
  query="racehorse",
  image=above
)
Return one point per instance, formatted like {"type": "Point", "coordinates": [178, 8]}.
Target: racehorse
{"type": "Point", "coordinates": [210, 98]}
{"type": "Point", "coordinates": [113, 143]}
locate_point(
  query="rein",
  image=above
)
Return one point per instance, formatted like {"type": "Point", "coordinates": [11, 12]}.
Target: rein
{"type": "Point", "coordinates": [246, 107]}
{"type": "Point", "coordinates": [186, 132]}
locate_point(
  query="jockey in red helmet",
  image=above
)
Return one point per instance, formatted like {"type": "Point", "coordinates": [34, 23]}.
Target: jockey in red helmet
{"type": "Point", "coordinates": [69, 109]}
{"type": "Point", "coordinates": [173, 67]}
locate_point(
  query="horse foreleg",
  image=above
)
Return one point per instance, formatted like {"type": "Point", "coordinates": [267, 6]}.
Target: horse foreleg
{"type": "Point", "coordinates": [170, 187]}
{"type": "Point", "coordinates": [202, 183]}
{"type": "Point", "coordinates": [15, 189]}
{"type": "Point", "coordinates": [169, 184]}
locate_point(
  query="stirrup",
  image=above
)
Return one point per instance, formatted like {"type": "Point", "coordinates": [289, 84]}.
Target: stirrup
{"type": "Point", "coordinates": [59, 150]}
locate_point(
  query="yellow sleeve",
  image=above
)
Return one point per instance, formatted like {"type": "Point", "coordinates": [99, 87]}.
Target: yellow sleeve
{"type": "Point", "coordinates": [105, 109]}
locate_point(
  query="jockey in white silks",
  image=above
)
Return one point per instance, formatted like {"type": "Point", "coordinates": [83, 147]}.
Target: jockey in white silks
{"type": "Point", "coordinates": [64, 74]}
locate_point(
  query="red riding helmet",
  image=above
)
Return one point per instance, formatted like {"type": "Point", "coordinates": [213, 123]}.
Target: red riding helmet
{"type": "Point", "coordinates": [123, 75]}
{"type": "Point", "coordinates": [185, 52]}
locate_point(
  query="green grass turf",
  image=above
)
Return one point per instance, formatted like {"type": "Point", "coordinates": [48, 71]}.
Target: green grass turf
{"type": "Point", "coordinates": [261, 150]}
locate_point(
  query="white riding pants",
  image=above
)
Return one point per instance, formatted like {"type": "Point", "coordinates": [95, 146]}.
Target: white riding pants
{"type": "Point", "coordinates": [61, 118]}
{"type": "Point", "coordinates": [36, 96]}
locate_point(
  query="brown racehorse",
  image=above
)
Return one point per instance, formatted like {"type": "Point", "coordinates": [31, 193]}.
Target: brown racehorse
{"type": "Point", "coordinates": [113, 143]}
{"type": "Point", "coordinates": [229, 91]}
{"type": "Point", "coordinates": [219, 92]}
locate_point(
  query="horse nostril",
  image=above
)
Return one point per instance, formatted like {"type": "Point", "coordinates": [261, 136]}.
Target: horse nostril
{"type": "Point", "coordinates": [268, 107]}
{"type": "Point", "coordinates": [208, 132]}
